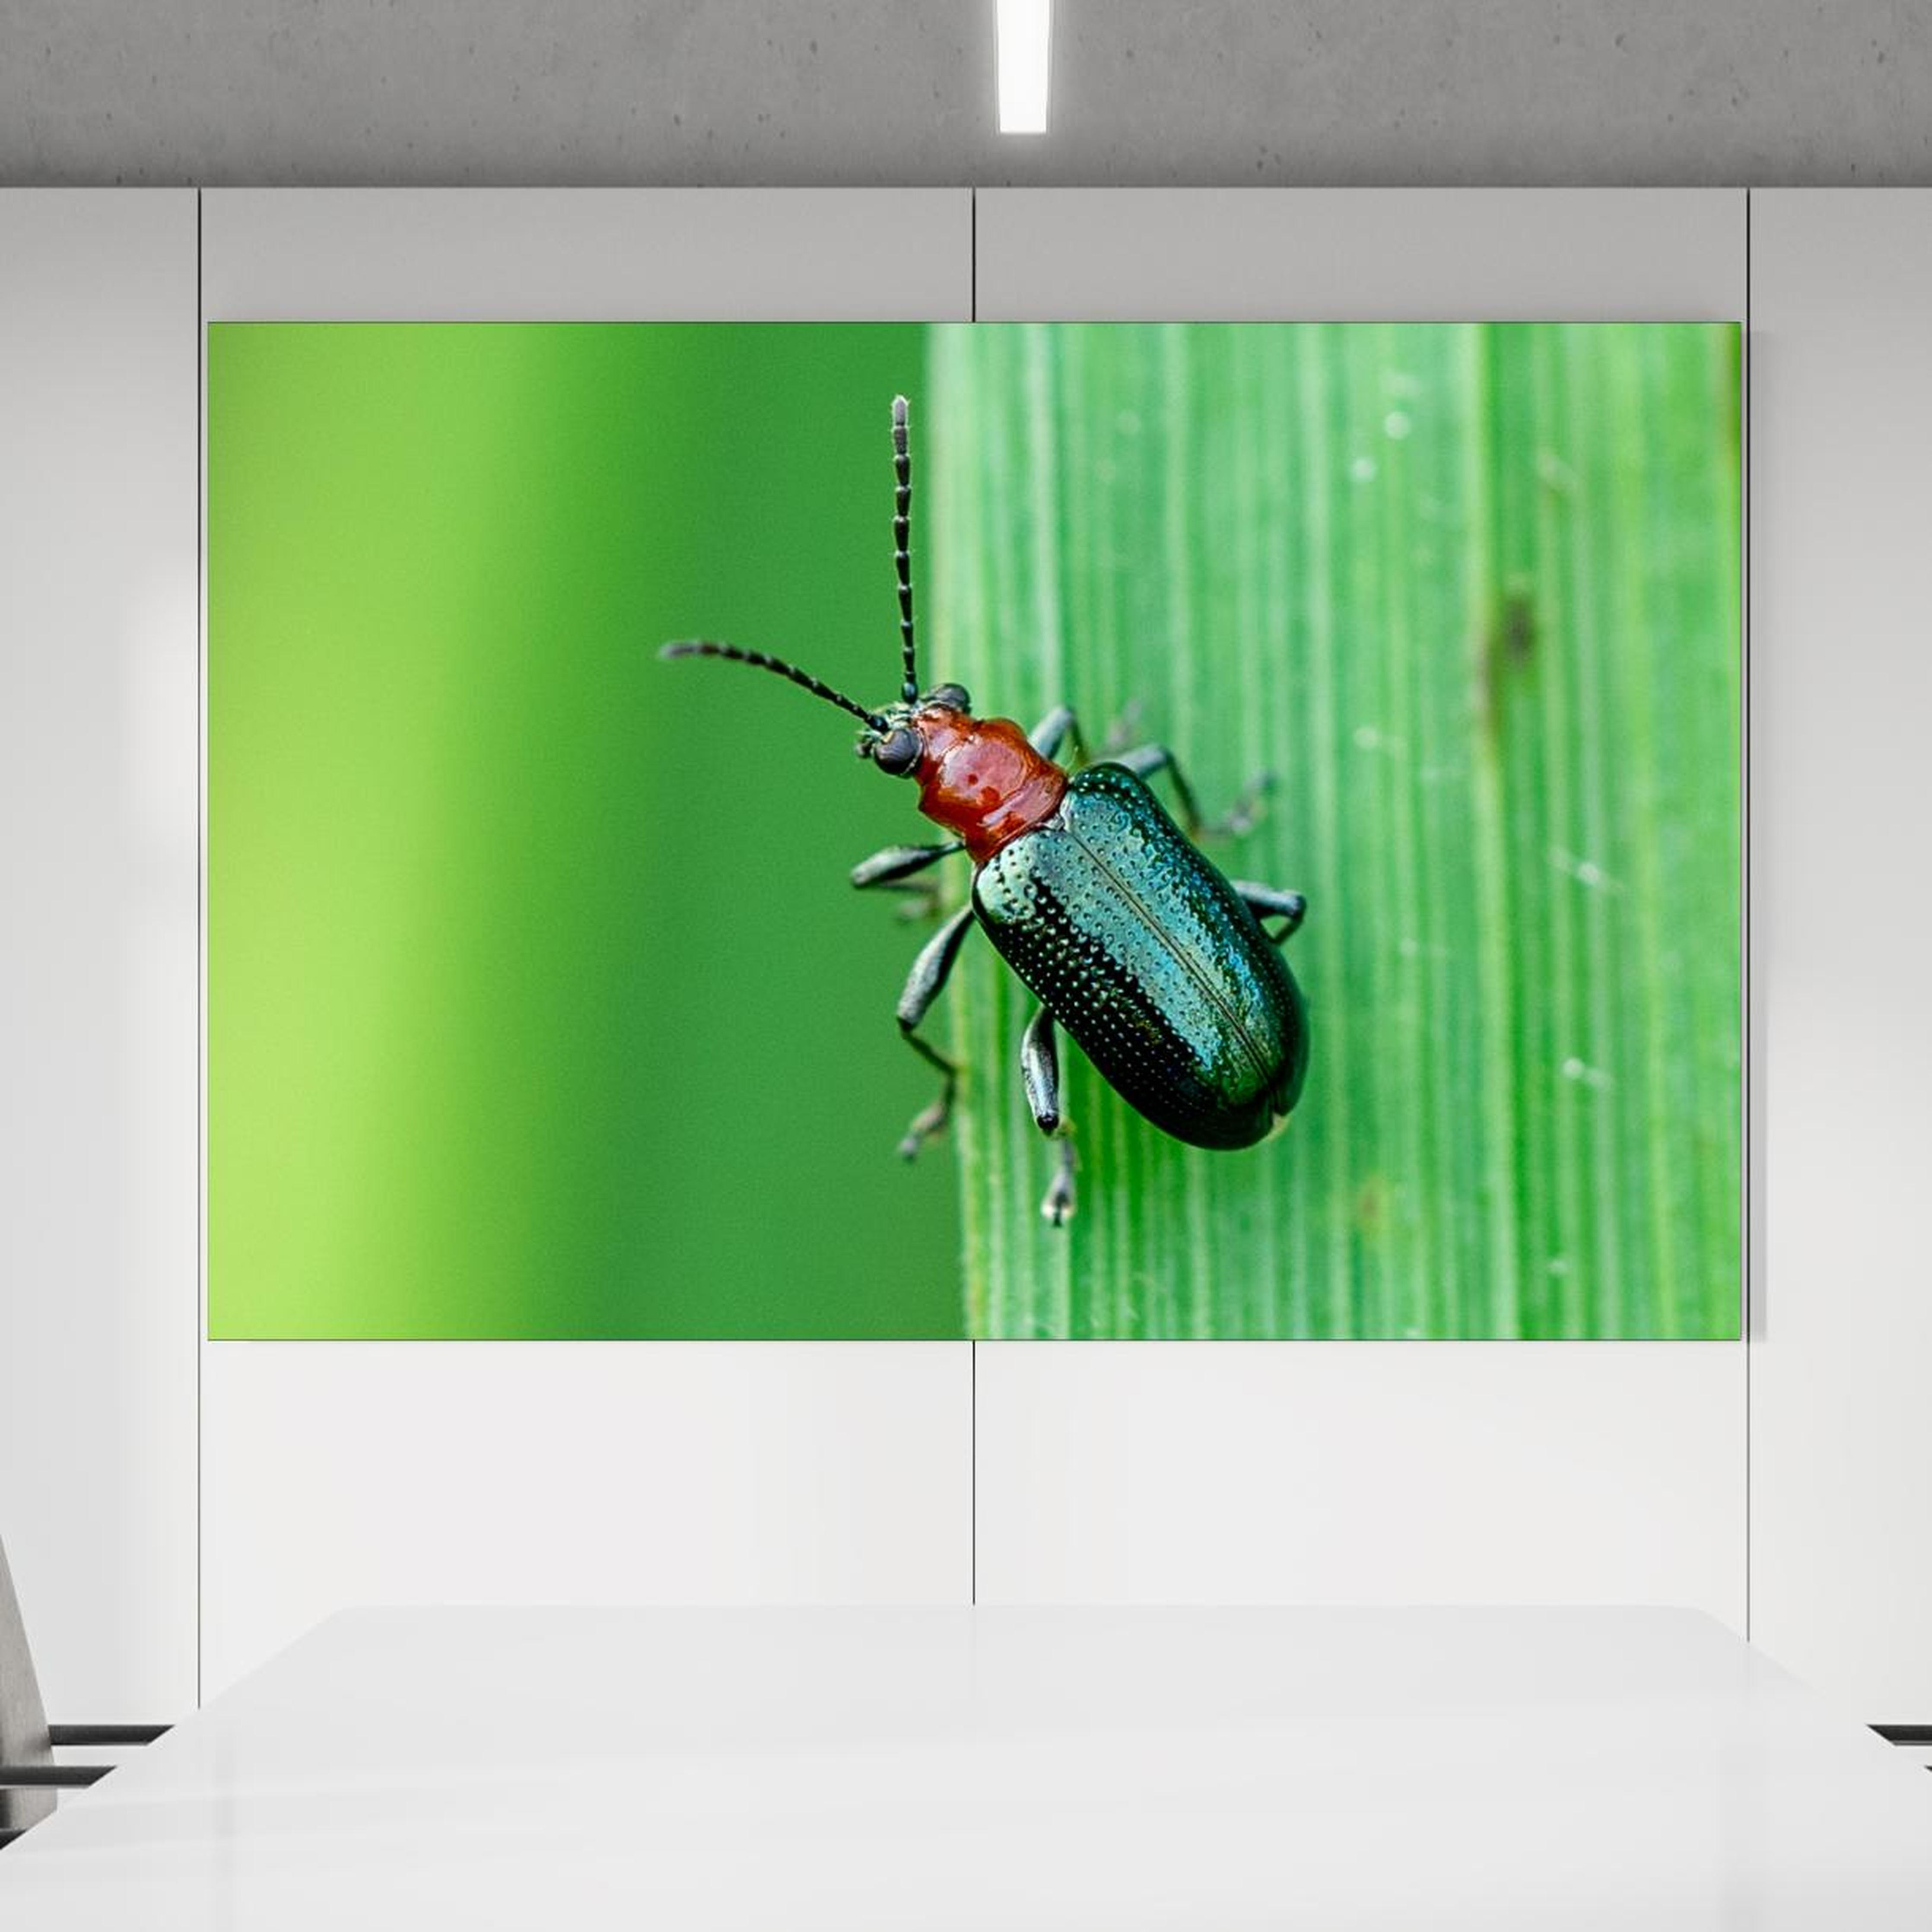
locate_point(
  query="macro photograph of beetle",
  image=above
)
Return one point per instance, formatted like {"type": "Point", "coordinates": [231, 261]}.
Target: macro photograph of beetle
{"type": "Point", "coordinates": [1306, 904]}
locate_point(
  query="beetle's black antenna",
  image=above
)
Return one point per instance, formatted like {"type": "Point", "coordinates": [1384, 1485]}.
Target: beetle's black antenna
{"type": "Point", "coordinates": [701, 647]}
{"type": "Point", "coordinates": [901, 529]}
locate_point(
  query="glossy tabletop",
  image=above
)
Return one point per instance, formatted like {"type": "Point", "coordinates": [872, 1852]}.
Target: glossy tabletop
{"type": "Point", "coordinates": [1209, 1769]}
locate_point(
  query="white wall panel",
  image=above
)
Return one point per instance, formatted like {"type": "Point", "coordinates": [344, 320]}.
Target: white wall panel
{"type": "Point", "coordinates": [587, 254]}
{"type": "Point", "coordinates": [1841, 501]}
{"type": "Point", "coordinates": [339, 1473]}
{"type": "Point", "coordinates": [98, 859]}
{"type": "Point", "coordinates": [1395, 1471]}
{"type": "Point", "coordinates": [1363, 1472]}
{"type": "Point", "coordinates": [1361, 254]}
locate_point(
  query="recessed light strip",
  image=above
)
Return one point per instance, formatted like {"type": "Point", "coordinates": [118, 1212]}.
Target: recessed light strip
{"type": "Point", "coordinates": [1026, 35]}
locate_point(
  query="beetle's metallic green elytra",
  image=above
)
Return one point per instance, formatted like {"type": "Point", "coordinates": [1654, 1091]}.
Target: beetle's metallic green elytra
{"type": "Point", "coordinates": [1147, 955]}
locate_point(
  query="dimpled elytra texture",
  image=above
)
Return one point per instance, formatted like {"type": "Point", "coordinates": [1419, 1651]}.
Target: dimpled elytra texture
{"type": "Point", "coordinates": [1143, 953]}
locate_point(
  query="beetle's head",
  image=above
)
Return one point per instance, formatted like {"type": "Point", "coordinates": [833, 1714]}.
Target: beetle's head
{"type": "Point", "coordinates": [908, 735]}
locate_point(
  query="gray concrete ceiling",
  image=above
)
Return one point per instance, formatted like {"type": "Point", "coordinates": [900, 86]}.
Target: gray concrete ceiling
{"type": "Point", "coordinates": [882, 92]}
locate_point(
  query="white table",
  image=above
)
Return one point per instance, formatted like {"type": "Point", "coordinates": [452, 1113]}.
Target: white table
{"type": "Point", "coordinates": [1209, 1769]}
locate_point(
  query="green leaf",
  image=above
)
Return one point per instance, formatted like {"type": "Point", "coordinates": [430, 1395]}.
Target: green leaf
{"type": "Point", "coordinates": [1471, 594]}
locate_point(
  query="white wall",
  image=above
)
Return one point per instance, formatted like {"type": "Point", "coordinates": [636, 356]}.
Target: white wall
{"type": "Point", "coordinates": [1841, 510]}
{"type": "Point", "coordinates": [99, 1050]}
{"type": "Point", "coordinates": [1775, 1483]}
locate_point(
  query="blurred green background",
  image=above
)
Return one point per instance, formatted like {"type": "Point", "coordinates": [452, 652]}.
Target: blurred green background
{"type": "Point", "coordinates": [539, 1005]}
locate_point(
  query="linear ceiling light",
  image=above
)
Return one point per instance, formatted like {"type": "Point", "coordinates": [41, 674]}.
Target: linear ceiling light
{"type": "Point", "coordinates": [1026, 32]}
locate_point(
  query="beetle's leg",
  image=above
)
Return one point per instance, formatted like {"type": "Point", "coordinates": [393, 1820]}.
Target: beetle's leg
{"type": "Point", "coordinates": [922, 986]}
{"type": "Point", "coordinates": [892, 871]}
{"type": "Point", "coordinates": [1058, 1203]}
{"type": "Point", "coordinates": [1039, 1073]}
{"type": "Point", "coordinates": [1145, 760]}
{"type": "Point", "coordinates": [1060, 725]}
{"type": "Point", "coordinates": [1267, 902]}
{"type": "Point", "coordinates": [897, 863]}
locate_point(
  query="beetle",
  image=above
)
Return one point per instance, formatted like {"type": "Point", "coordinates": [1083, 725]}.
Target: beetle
{"type": "Point", "coordinates": [1168, 975]}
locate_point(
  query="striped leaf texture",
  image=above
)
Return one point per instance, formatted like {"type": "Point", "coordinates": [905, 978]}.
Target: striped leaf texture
{"type": "Point", "coordinates": [1469, 595]}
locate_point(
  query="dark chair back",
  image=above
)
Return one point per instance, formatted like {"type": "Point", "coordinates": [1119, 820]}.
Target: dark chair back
{"type": "Point", "coordinates": [24, 1738]}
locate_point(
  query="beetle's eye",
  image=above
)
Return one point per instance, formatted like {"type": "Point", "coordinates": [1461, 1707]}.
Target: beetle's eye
{"type": "Point", "coordinates": [898, 751]}
{"type": "Point", "coordinates": [953, 696]}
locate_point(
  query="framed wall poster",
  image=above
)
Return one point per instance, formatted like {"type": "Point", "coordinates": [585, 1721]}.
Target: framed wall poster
{"type": "Point", "coordinates": [539, 1004]}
